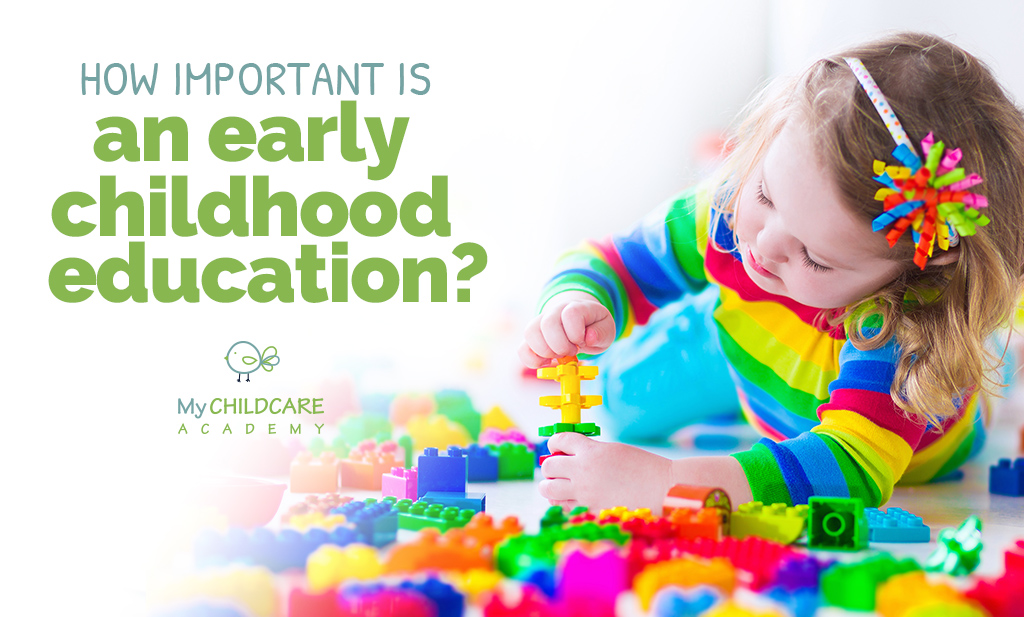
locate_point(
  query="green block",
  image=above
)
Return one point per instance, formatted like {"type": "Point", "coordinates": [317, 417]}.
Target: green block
{"type": "Point", "coordinates": [852, 585]}
{"type": "Point", "coordinates": [584, 428]}
{"type": "Point", "coordinates": [457, 407]}
{"type": "Point", "coordinates": [519, 555]}
{"type": "Point", "coordinates": [338, 446]}
{"type": "Point", "coordinates": [515, 461]}
{"type": "Point", "coordinates": [420, 514]}
{"type": "Point", "coordinates": [554, 517]}
{"type": "Point", "coordinates": [405, 442]}
{"type": "Point", "coordinates": [959, 551]}
{"type": "Point", "coordinates": [837, 524]}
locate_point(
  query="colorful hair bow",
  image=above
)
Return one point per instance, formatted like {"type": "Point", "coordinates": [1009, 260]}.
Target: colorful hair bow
{"type": "Point", "coordinates": [929, 197]}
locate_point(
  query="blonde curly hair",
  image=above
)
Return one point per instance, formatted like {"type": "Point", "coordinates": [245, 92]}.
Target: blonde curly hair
{"type": "Point", "coordinates": [942, 316]}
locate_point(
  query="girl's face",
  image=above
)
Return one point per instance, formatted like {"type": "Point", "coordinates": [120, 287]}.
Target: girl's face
{"type": "Point", "coordinates": [796, 237]}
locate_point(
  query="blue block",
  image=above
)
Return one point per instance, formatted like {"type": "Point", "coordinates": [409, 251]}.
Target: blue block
{"type": "Point", "coordinates": [800, 602]}
{"type": "Point", "coordinates": [449, 602]}
{"type": "Point", "coordinates": [896, 525]}
{"type": "Point", "coordinates": [483, 464]}
{"type": "Point", "coordinates": [277, 551]}
{"type": "Point", "coordinates": [476, 502]}
{"type": "Point", "coordinates": [446, 473]}
{"type": "Point", "coordinates": [541, 449]}
{"type": "Point", "coordinates": [676, 602]}
{"type": "Point", "coordinates": [374, 522]}
{"type": "Point", "coordinates": [1006, 478]}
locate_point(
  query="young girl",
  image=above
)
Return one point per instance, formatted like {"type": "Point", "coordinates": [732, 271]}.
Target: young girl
{"type": "Point", "coordinates": [866, 237]}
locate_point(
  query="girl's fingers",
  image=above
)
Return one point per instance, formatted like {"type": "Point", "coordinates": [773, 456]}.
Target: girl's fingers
{"type": "Point", "coordinates": [554, 334]}
{"type": "Point", "coordinates": [535, 339]}
{"type": "Point", "coordinates": [565, 503]}
{"type": "Point", "coordinates": [531, 359]}
{"type": "Point", "coordinates": [558, 466]}
{"type": "Point", "coordinates": [568, 443]}
{"type": "Point", "coordinates": [558, 489]}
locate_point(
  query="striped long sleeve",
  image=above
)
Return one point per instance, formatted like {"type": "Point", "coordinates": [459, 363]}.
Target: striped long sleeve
{"type": "Point", "coordinates": [830, 425]}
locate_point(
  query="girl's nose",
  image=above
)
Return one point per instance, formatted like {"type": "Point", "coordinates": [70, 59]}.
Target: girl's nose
{"type": "Point", "coordinates": [773, 243]}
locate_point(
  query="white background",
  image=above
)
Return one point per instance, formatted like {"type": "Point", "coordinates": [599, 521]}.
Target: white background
{"type": "Point", "coordinates": [553, 121]}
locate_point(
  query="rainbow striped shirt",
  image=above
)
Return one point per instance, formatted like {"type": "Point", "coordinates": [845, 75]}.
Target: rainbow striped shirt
{"type": "Point", "coordinates": [824, 406]}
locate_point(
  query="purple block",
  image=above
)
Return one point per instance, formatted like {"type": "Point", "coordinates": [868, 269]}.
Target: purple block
{"type": "Point", "coordinates": [400, 483]}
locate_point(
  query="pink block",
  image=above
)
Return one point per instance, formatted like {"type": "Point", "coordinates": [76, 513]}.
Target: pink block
{"type": "Point", "coordinates": [400, 483]}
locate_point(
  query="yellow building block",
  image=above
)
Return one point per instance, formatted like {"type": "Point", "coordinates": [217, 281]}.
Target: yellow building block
{"type": "Point", "coordinates": [496, 418]}
{"type": "Point", "coordinates": [906, 595]}
{"type": "Point", "coordinates": [474, 582]}
{"type": "Point", "coordinates": [683, 572]}
{"type": "Point", "coordinates": [436, 431]}
{"type": "Point", "coordinates": [778, 522]}
{"type": "Point", "coordinates": [251, 588]}
{"type": "Point", "coordinates": [329, 566]}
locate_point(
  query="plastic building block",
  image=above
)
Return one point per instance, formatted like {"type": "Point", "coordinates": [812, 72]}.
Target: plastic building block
{"type": "Point", "coordinates": [909, 593]}
{"type": "Point", "coordinates": [475, 583]}
{"type": "Point", "coordinates": [896, 525]}
{"type": "Point", "coordinates": [302, 603]}
{"type": "Point", "coordinates": [590, 581]}
{"type": "Point", "coordinates": [497, 419]}
{"type": "Point", "coordinates": [497, 437]}
{"type": "Point", "coordinates": [420, 514]}
{"type": "Point", "coordinates": [367, 462]}
{"type": "Point", "coordinates": [852, 585]}
{"type": "Point", "coordinates": [445, 472]}
{"type": "Point", "coordinates": [683, 572]}
{"type": "Point", "coordinates": [436, 552]}
{"type": "Point", "coordinates": [837, 523]}
{"type": "Point", "coordinates": [1007, 478]}
{"type": "Point", "coordinates": [330, 566]}
{"type": "Point", "coordinates": [483, 464]}
{"type": "Point", "coordinates": [314, 504]}
{"type": "Point", "coordinates": [958, 551]}
{"type": "Point", "coordinates": [202, 608]}
{"type": "Point", "coordinates": [519, 555]}
{"type": "Point", "coordinates": [251, 590]}
{"type": "Point", "coordinates": [1003, 596]}
{"type": "Point", "coordinates": [483, 533]}
{"type": "Point", "coordinates": [375, 523]}
{"type": "Point", "coordinates": [304, 522]}
{"type": "Point", "coordinates": [676, 602]}
{"type": "Point", "coordinates": [375, 599]}
{"type": "Point", "coordinates": [697, 497]}
{"type": "Point", "coordinates": [568, 373]}
{"type": "Point", "coordinates": [448, 601]}
{"type": "Point", "coordinates": [404, 407]}
{"type": "Point", "coordinates": [515, 461]}
{"type": "Point", "coordinates": [531, 603]}
{"type": "Point", "coordinates": [801, 602]}
{"type": "Point", "coordinates": [759, 559]}
{"type": "Point", "coordinates": [400, 483]}
{"type": "Point", "coordinates": [457, 407]}
{"type": "Point", "coordinates": [477, 502]}
{"type": "Point", "coordinates": [405, 443]}
{"type": "Point", "coordinates": [314, 475]}
{"type": "Point", "coordinates": [541, 450]}
{"type": "Point", "coordinates": [777, 522]}
{"type": "Point", "coordinates": [553, 517]}
{"type": "Point", "coordinates": [800, 573]}
{"type": "Point", "coordinates": [436, 431]}
{"type": "Point", "coordinates": [730, 608]}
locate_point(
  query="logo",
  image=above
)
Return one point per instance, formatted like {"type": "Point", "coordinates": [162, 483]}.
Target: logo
{"type": "Point", "coordinates": [252, 361]}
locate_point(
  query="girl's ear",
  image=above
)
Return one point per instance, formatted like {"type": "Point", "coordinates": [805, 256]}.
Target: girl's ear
{"type": "Point", "coordinates": [944, 258]}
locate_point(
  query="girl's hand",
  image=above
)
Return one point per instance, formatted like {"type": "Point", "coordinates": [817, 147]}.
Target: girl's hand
{"type": "Point", "coordinates": [572, 322]}
{"type": "Point", "coordinates": [604, 475]}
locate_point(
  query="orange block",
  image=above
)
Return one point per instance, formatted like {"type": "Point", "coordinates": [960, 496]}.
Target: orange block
{"type": "Point", "coordinates": [703, 523]}
{"type": "Point", "coordinates": [367, 462]}
{"type": "Point", "coordinates": [432, 552]}
{"type": "Point", "coordinates": [481, 530]}
{"type": "Point", "coordinates": [683, 572]}
{"type": "Point", "coordinates": [314, 475]}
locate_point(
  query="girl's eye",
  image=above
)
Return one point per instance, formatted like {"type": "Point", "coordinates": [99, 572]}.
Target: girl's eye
{"type": "Point", "coordinates": [810, 263]}
{"type": "Point", "coordinates": [761, 198]}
